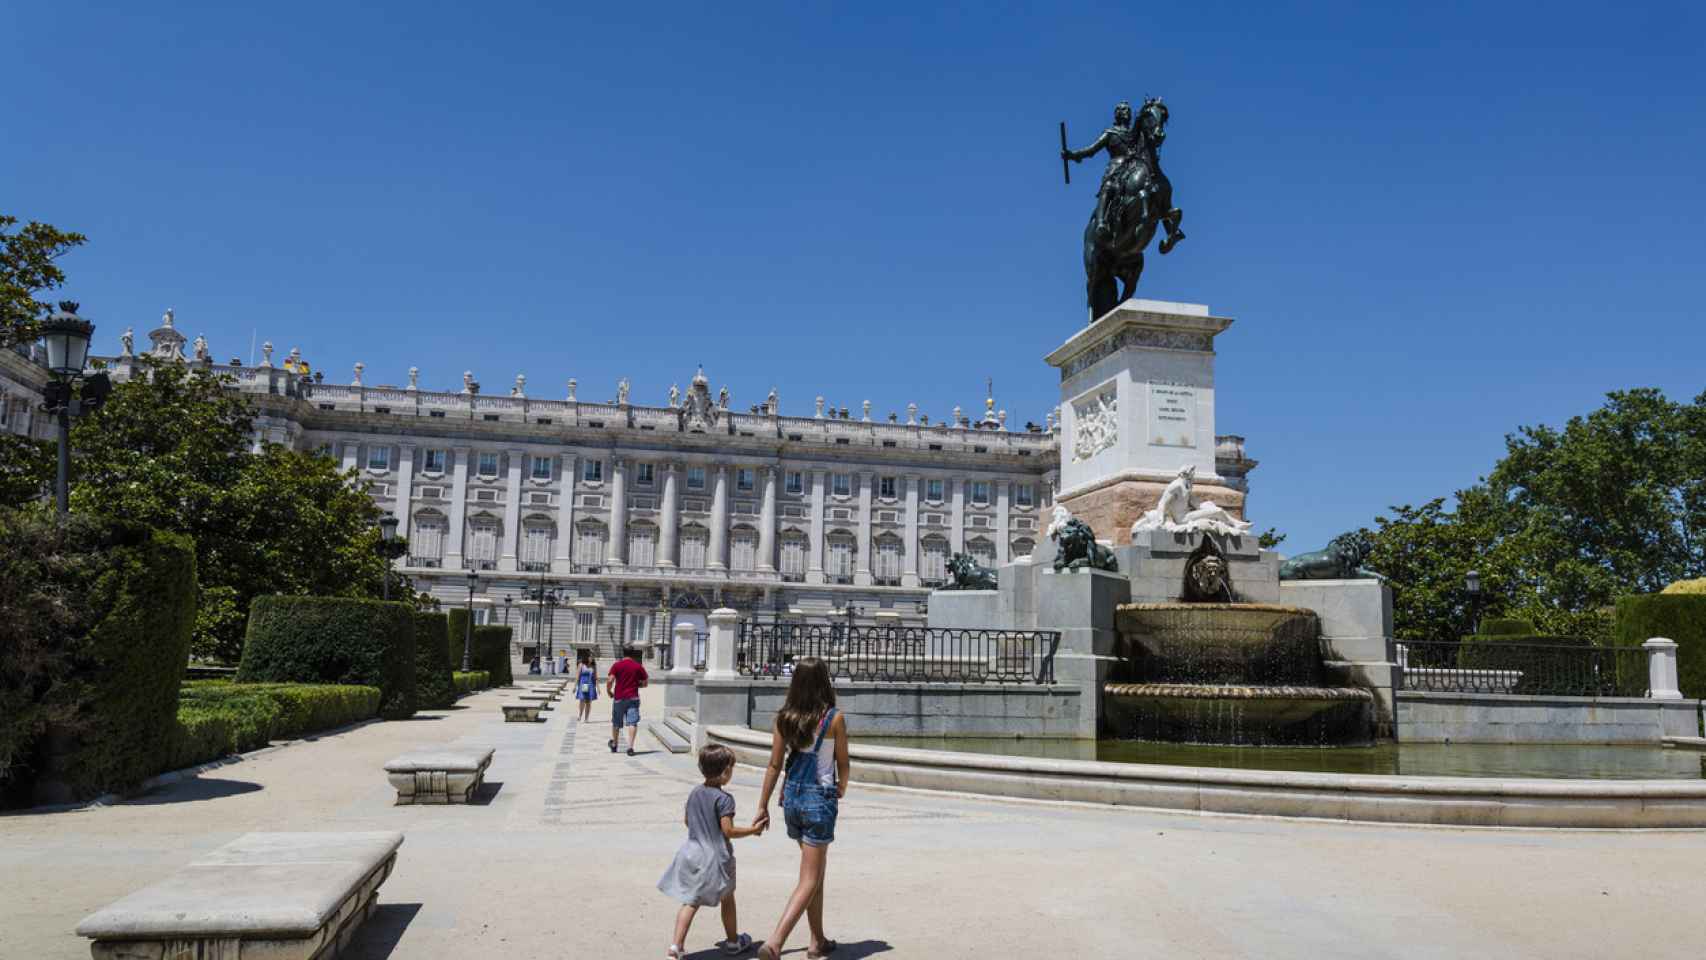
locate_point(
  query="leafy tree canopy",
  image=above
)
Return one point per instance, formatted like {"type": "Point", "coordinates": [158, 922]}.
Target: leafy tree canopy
{"type": "Point", "coordinates": [27, 268]}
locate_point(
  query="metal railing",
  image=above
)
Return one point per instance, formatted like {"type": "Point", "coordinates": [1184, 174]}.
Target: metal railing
{"type": "Point", "coordinates": [1533, 669]}
{"type": "Point", "coordinates": [701, 646]}
{"type": "Point", "coordinates": [915, 654]}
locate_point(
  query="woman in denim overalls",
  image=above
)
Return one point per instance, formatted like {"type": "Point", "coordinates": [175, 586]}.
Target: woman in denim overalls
{"type": "Point", "coordinates": [812, 735]}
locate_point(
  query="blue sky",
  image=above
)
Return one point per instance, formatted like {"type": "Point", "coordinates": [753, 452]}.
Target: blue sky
{"type": "Point", "coordinates": [1432, 224]}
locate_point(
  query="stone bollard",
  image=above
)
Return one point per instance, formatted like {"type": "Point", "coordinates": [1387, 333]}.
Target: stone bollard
{"type": "Point", "coordinates": [683, 650]}
{"type": "Point", "coordinates": [1661, 669]}
{"type": "Point", "coordinates": [720, 657]}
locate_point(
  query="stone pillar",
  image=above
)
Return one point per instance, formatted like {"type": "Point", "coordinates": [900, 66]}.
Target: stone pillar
{"type": "Point", "coordinates": [512, 511]}
{"type": "Point", "coordinates": [1661, 669]}
{"type": "Point", "coordinates": [767, 521]}
{"type": "Point", "coordinates": [957, 523]}
{"type": "Point", "coordinates": [405, 488]}
{"type": "Point", "coordinates": [720, 654]}
{"type": "Point", "coordinates": [616, 550]}
{"type": "Point", "coordinates": [563, 558]}
{"type": "Point", "coordinates": [909, 574]}
{"type": "Point", "coordinates": [814, 562]}
{"type": "Point", "coordinates": [683, 650]}
{"type": "Point", "coordinates": [718, 558]}
{"type": "Point", "coordinates": [458, 509]}
{"type": "Point", "coordinates": [1002, 488]}
{"type": "Point", "coordinates": [669, 521]}
{"type": "Point", "coordinates": [862, 560]}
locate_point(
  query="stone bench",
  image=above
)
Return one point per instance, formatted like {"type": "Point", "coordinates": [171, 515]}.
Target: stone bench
{"type": "Point", "coordinates": [282, 896]}
{"type": "Point", "coordinates": [541, 697]}
{"type": "Point", "coordinates": [439, 774]}
{"type": "Point", "coordinates": [521, 713]}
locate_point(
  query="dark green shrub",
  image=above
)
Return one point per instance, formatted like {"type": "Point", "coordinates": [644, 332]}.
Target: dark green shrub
{"type": "Point", "coordinates": [491, 654]}
{"type": "Point", "coordinates": [1674, 616]}
{"type": "Point", "coordinates": [471, 681]}
{"type": "Point", "coordinates": [1507, 626]}
{"type": "Point", "coordinates": [95, 620]}
{"type": "Point", "coordinates": [433, 688]}
{"type": "Point", "coordinates": [334, 640]}
{"type": "Point", "coordinates": [217, 718]}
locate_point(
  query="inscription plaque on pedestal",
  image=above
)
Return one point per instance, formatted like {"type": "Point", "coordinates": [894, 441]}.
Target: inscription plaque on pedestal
{"type": "Point", "coordinates": [1172, 415]}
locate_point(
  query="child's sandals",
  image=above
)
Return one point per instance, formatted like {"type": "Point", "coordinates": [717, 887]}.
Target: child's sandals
{"type": "Point", "coordinates": [737, 946]}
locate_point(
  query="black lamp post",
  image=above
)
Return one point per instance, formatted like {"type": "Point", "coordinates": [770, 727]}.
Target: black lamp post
{"type": "Point", "coordinates": [387, 549]}
{"type": "Point", "coordinates": [468, 634]}
{"type": "Point", "coordinates": [509, 601]}
{"type": "Point", "coordinates": [1472, 583]}
{"type": "Point", "coordinates": [67, 338]}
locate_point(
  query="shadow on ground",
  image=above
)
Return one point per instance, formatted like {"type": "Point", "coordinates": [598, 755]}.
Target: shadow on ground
{"type": "Point", "coordinates": [843, 951]}
{"type": "Point", "coordinates": [377, 938]}
{"type": "Point", "coordinates": [191, 789]}
{"type": "Point", "coordinates": [487, 793]}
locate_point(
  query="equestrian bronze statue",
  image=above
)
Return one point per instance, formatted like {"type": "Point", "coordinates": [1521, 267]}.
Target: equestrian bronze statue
{"type": "Point", "coordinates": [1134, 198]}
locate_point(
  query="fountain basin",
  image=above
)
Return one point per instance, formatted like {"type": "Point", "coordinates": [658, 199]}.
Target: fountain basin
{"type": "Point", "coordinates": [1247, 715]}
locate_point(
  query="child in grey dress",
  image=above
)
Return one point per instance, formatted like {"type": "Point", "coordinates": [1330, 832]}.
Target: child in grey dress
{"type": "Point", "coordinates": [703, 872]}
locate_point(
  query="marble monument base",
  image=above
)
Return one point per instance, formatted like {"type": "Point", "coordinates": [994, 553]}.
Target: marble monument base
{"type": "Point", "coordinates": [1110, 507]}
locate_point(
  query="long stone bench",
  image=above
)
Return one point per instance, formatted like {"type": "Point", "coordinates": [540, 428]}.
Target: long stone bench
{"type": "Point", "coordinates": [439, 774]}
{"type": "Point", "coordinates": [278, 896]}
{"type": "Point", "coordinates": [521, 713]}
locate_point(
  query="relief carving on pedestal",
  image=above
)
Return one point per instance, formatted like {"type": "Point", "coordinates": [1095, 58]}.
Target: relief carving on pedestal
{"type": "Point", "coordinates": [1095, 425]}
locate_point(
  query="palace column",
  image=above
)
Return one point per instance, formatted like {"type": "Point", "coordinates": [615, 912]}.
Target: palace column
{"type": "Point", "coordinates": [957, 524]}
{"type": "Point", "coordinates": [862, 564]}
{"type": "Point", "coordinates": [767, 522]}
{"type": "Point", "coordinates": [909, 575]}
{"type": "Point", "coordinates": [512, 511]}
{"type": "Point", "coordinates": [405, 491]}
{"type": "Point", "coordinates": [562, 561]}
{"type": "Point", "coordinates": [669, 521]}
{"type": "Point", "coordinates": [1001, 491]}
{"type": "Point", "coordinates": [814, 562]}
{"type": "Point", "coordinates": [718, 560]}
{"type": "Point", "coordinates": [617, 549]}
{"type": "Point", "coordinates": [458, 509]}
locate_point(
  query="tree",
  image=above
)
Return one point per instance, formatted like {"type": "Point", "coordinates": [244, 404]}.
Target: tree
{"type": "Point", "coordinates": [26, 465]}
{"type": "Point", "coordinates": [27, 267]}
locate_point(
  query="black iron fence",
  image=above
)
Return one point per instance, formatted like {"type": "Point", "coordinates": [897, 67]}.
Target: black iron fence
{"type": "Point", "coordinates": [915, 654]}
{"type": "Point", "coordinates": [701, 645]}
{"type": "Point", "coordinates": [1534, 669]}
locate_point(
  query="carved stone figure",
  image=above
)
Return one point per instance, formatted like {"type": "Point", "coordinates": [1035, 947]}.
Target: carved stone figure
{"type": "Point", "coordinates": [1341, 560]}
{"type": "Point", "coordinates": [622, 392]}
{"type": "Point", "coordinates": [723, 398]}
{"type": "Point", "coordinates": [1095, 426]}
{"type": "Point", "coordinates": [1135, 197]}
{"type": "Point", "coordinates": [1078, 546]}
{"type": "Point", "coordinates": [771, 404]}
{"type": "Point", "coordinates": [520, 388]}
{"type": "Point", "coordinates": [128, 339]}
{"type": "Point", "coordinates": [1208, 578]}
{"type": "Point", "coordinates": [201, 353]}
{"type": "Point", "coordinates": [674, 396]}
{"type": "Point", "coordinates": [968, 574]}
{"type": "Point", "coordinates": [266, 354]}
{"type": "Point", "coordinates": [697, 412]}
{"type": "Point", "coordinates": [1180, 512]}
{"type": "Point", "coordinates": [572, 383]}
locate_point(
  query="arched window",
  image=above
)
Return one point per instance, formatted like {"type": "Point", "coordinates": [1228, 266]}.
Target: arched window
{"type": "Point", "coordinates": [933, 554]}
{"type": "Point", "coordinates": [642, 545]}
{"type": "Point", "coordinates": [426, 543]}
{"type": "Point", "coordinates": [888, 560]}
{"type": "Point", "coordinates": [842, 548]}
{"type": "Point", "coordinates": [590, 538]}
{"type": "Point", "coordinates": [743, 548]}
{"type": "Point", "coordinates": [1022, 547]}
{"type": "Point", "coordinates": [981, 550]}
{"type": "Point", "coordinates": [695, 540]}
{"type": "Point", "coordinates": [794, 549]}
{"type": "Point", "coordinates": [536, 536]}
{"type": "Point", "coordinates": [484, 536]}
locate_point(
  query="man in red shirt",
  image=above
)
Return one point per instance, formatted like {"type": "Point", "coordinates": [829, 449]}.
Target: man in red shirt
{"type": "Point", "coordinates": [622, 685]}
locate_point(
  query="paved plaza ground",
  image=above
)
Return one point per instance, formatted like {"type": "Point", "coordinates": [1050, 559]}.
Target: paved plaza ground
{"type": "Point", "coordinates": [561, 863]}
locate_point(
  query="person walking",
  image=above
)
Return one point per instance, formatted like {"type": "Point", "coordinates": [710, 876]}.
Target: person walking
{"type": "Point", "coordinates": [622, 684]}
{"type": "Point", "coordinates": [586, 683]}
{"type": "Point", "coordinates": [703, 872]}
{"type": "Point", "coordinates": [812, 735]}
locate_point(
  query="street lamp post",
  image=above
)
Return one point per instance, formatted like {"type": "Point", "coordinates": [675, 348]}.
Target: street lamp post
{"type": "Point", "coordinates": [468, 634]}
{"type": "Point", "coordinates": [67, 338]}
{"type": "Point", "coordinates": [509, 601]}
{"type": "Point", "coordinates": [387, 548]}
{"type": "Point", "coordinates": [1472, 582]}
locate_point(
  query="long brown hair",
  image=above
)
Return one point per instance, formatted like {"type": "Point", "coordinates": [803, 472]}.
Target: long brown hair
{"type": "Point", "coordinates": [810, 695]}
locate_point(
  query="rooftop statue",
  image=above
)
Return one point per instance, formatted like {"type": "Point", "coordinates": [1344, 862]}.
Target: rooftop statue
{"type": "Point", "coordinates": [1134, 198]}
{"type": "Point", "coordinates": [1180, 512]}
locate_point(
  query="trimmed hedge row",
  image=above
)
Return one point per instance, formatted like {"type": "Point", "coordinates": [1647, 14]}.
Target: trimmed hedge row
{"type": "Point", "coordinates": [471, 681]}
{"type": "Point", "coordinates": [217, 717]}
{"type": "Point", "coordinates": [433, 686]}
{"type": "Point", "coordinates": [489, 650]}
{"type": "Point", "coordinates": [334, 640]}
{"type": "Point", "coordinates": [1674, 616]}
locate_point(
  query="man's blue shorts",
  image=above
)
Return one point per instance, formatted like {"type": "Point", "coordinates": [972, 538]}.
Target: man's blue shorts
{"type": "Point", "coordinates": [625, 712]}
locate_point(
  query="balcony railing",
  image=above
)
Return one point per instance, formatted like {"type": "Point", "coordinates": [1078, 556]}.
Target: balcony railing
{"type": "Point", "coordinates": [903, 654]}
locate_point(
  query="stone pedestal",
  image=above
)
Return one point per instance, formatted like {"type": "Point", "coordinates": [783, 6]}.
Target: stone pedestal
{"type": "Point", "coordinates": [1137, 404]}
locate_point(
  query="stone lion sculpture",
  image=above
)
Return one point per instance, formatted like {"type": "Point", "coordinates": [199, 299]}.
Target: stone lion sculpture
{"type": "Point", "coordinates": [1078, 546]}
{"type": "Point", "coordinates": [968, 574]}
{"type": "Point", "coordinates": [1180, 512]}
{"type": "Point", "coordinates": [1341, 560]}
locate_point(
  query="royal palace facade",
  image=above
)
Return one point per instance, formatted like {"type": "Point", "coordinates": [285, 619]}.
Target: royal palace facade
{"type": "Point", "coordinates": [633, 517]}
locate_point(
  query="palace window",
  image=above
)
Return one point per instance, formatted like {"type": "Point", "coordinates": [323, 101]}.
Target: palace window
{"type": "Point", "coordinates": [592, 471]}
{"type": "Point", "coordinates": [589, 543]}
{"type": "Point", "coordinates": [796, 482]}
{"type": "Point", "coordinates": [933, 557]}
{"type": "Point", "coordinates": [434, 462]}
{"type": "Point", "coordinates": [694, 543]}
{"type": "Point", "coordinates": [841, 484]}
{"type": "Point", "coordinates": [1023, 547]}
{"type": "Point", "coordinates": [541, 468]}
{"type": "Point", "coordinates": [744, 480]}
{"type": "Point", "coordinates": [886, 487]}
{"type": "Point", "coordinates": [642, 545]}
{"type": "Point", "coordinates": [841, 550]}
{"type": "Point", "coordinates": [888, 557]}
{"type": "Point", "coordinates": [536, 546]}
{"type": "Point", "coordinates": [794, 547]}
{"type": "Point", "coordinates": [980, 492]}
{"type": "Point", "coordinates": [488, 464]}
{"type": "Point", "coordinates": [1024, 494]}
{"type": "Point", "coordinates": [643, 474]}
{"type": "Point", "coordinates": [426, 545]}
{"type": "Point", "coordinates": [981, 550]}
{"type": "Point", "coordinates": [695, 478]}
{"type": "Point", "coordinates": [378, 458]}
{"type": "Point", "coordinates": [743, 549]}
{"type": "Point", "coordinates": [483, 544]}
{"type": "Point", "coordinates": [933, 490]}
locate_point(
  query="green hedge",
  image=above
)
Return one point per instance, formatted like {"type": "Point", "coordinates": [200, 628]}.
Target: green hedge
{"type": "Point", "coordinates": [95, 622]}
{"type": "Point", "coordinates": [218, 717]}
{"type": "Point", "coordinates": [489, 650]}
{"type": "Point", "coordinates": [433, 687]}
{"type": "Point", "coordinates": [1507, 626]}
{"type": "Point", "coordinates": [334, 640]}
{"type": "Point", "coordinates": [1674, 616]}
{"type": "Point", "coordinates": [471, 681]}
